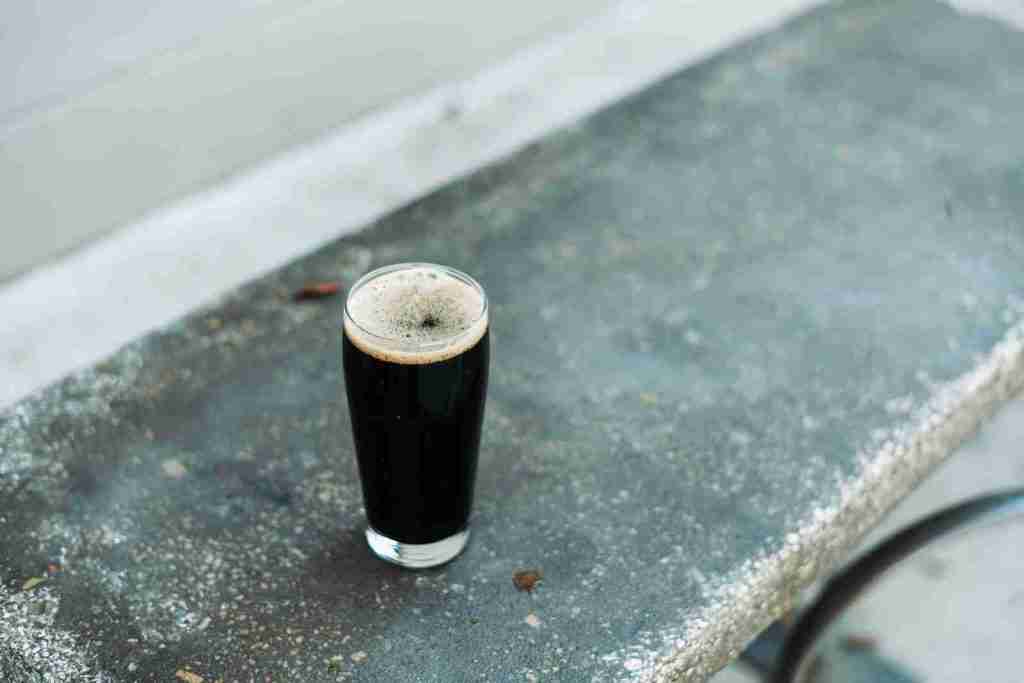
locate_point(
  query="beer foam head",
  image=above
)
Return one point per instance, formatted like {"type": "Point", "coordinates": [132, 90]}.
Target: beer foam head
{"type": "Point", "coordinates": [415, 313]}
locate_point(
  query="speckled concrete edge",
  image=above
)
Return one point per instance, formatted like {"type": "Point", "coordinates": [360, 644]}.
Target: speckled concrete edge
{"type": "Point", "coordinates": [33, 649]}
{"type": "Point", "coordinates": [746, 601]}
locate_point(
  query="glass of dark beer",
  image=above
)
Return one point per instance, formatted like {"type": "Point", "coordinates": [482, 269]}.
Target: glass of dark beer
{"type": "Point", "coordinates": [416, 352]}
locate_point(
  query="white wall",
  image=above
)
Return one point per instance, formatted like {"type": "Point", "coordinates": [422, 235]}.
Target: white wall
{"type": "Point", "coordinates": [111, 108]}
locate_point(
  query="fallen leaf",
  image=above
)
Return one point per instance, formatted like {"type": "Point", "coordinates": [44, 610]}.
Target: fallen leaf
{"type": "Point", "coordinates": [317, 290]}
{"type": "Point", "coordinates": [188, 676]}
{"type": "Point", "coordinates": [526, 579]}
{"type": "Point", "coordinates": [858, 642]}
{"type": "Point", "coordinates": [32, 583]}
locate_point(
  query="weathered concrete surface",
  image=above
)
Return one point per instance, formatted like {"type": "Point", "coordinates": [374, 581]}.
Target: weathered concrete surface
{"type": "Point", "coordinates": [734, 320]}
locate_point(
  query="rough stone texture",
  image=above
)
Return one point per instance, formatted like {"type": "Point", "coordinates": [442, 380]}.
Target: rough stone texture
{"type": "Point", "coordinates": [735, 319]}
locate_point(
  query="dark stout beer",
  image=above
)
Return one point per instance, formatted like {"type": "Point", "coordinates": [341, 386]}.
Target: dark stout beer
{"type": "Point", "coordinates": [415, 352]}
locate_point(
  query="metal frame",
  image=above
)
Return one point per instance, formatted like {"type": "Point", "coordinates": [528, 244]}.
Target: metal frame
{"type": "Point", "coordinates": [848, 584]}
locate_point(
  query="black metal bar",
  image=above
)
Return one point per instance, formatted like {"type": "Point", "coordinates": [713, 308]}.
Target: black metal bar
{"type": "Point", "coordinates": [845, 586]}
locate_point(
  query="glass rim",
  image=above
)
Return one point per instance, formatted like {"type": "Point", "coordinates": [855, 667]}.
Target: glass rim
{"type": "Point", "coordinates": [402, 344]}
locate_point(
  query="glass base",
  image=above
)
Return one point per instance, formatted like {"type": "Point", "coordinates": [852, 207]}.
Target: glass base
{"type": "Point", "coordinates": [416, 556]}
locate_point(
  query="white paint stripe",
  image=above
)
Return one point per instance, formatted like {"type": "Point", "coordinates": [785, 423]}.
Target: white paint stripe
{"type": "Point", "coordinates": [70, 314]}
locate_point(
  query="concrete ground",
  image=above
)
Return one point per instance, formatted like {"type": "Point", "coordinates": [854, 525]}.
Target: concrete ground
{"type": "Point", "coordinates": [169, 98]}
{"type": "Point", "coordinates": [187, 252]}
{"type": "Point", "coordinates": [227, 230]}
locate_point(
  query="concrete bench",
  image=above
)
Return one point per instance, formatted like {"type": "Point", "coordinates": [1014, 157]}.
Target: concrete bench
{"type": "Point", "coordinates": [735, 319]}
